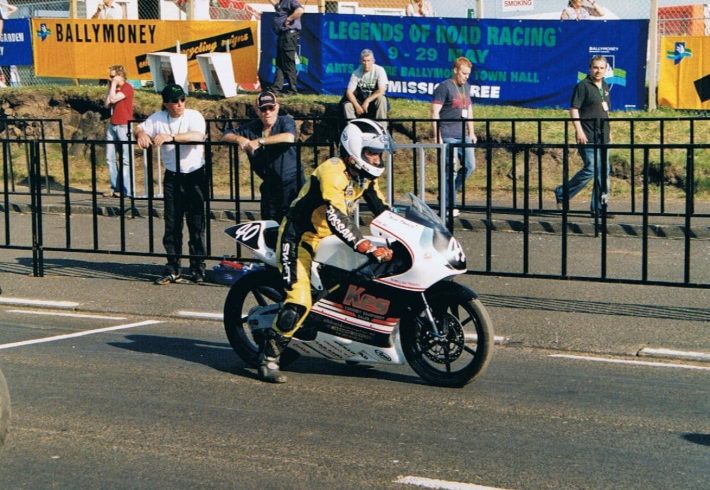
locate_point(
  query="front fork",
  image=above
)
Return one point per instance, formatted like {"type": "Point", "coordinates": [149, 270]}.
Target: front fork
{"type": "Point", "coordinates": [430, 316]}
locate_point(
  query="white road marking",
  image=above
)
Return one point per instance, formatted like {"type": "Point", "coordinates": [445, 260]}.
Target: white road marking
{"type": "Point", "coordinates": [4, 300]}
{"type": "Point", "coordinates": [201, 314]}
{"type": "Point", "coordinates": [447, 485]}
{"type": "Point", "coordinates": [626, 361]}
{"type": "Point", "coordinates": [500, 340]}
{"type": "Point", "coordinates": [679, 354]}
{"type": "Point", "coordinates": [78, 334]}
{"type": "Point", "coordinates": [72, 315]}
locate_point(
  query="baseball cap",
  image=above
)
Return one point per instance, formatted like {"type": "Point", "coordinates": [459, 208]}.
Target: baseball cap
{"type": "Point", "coordinates": [266, 99]}
{"type": "Point", "coordinates": [172, 92]}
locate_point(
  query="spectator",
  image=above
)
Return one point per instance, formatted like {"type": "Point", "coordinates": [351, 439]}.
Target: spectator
{"type": "Point", "coordinates": [419, 8]}
{"type": "Point", "coordinates": [200, 8]}
{"type": "Point", "coordinates": [120, 100]}
{"type": "Point", "coordinates": [269, 144]}
{"type": "Point", "coordinates": [6, 10]}
{"type": "Point", "coordinates": [3, 82]}
{"type": "Point", "coordinates": [287, 26]}
{"type": "Point", "coordinates": [365, 95]}
{"type": "Point", "coordinates": [576, 10]}
{"type": "Point", "coordinates": [15, 77]}
{"type": "Point", "coordinates": [452, 100]}
{"type": "Point", "coordinates": [590, 111]}
{"type": "Point", "coordinates": [185, 183]}
{"type": "Point", "coordinates": [108, 10]}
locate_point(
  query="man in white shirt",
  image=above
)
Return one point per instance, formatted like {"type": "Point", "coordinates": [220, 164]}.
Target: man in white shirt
{"type": "Point", "coordinates": [108, 10]}
{"type": "Point", "coordinates": [185, 182]}
{"type": "Point", "coordinates": [365, 95]}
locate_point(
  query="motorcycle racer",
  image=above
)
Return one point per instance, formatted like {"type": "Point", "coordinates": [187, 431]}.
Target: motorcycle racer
{"type": "Point", "coordinates": [323, 208]}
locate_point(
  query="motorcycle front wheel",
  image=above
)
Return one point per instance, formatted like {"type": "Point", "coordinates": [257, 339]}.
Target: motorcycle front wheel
{"type": "Point", "coordinates": [460, 350]}
{"type": "Point", "coordinates": [258, 288]}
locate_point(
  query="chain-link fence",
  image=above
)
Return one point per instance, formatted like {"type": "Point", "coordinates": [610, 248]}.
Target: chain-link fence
{"type": "Point", "coordinates": [684, 20]}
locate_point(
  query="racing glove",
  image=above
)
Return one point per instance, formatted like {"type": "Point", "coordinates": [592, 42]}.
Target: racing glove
{"type": "Point", "coordinates": [380, 254]}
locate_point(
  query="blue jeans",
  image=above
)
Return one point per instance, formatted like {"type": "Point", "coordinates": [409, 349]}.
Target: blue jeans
{"type": "Point", "coordinates": [581, 178]}
{"type": "Point", "coordinates": [467, 157]}
{"type": "Point", "coordinates": [118, 133]}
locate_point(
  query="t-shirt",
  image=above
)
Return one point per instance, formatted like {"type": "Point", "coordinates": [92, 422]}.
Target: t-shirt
{"type": "Point", "coordinates": [122, 111]}
{"type": "Point", "coordinates": [191, 156]}
{"type": "Point", "coordinates": [414, 10]}
{"type": "Point", "coordinates": [283, 10]}
{"type": "Point", "coordinates": [3, 11]}
{"type": "Point", "coordinates": [574, 14]}
{"type": "Point", "coordinates": [114, 12]}
{"type": "Point", "coordinates": [368, 82]}
{"type": "Point", "coordinates": [588, 98]}
{"type": "Point", "coordinates": [453, 100]}
{"type": "Point", "coordinates": [272, 163]}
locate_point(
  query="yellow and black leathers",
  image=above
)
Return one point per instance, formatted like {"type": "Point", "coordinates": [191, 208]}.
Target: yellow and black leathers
{"type": "Point", "coordinates": [322, 208]}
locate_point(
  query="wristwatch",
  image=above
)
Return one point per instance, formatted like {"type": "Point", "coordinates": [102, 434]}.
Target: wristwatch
{"type": "Point", "coordinates": [261, 141]}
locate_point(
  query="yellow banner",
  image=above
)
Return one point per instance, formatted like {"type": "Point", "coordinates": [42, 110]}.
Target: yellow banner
{"type": "Point", "coordinates": [71, 48]}
{"type": "Point", "coordinates": [684, 73]}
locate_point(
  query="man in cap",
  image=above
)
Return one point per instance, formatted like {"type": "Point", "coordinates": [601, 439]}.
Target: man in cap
{"type": "Point", "coordinates": [269, 145]}
{"type": "Point", "coordinates": [185, 182]}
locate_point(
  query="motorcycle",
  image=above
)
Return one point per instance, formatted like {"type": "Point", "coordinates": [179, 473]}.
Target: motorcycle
{"type": "Point", "coordinates": [364, 312]}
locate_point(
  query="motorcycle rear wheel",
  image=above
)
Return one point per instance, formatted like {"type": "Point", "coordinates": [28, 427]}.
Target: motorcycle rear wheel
{"type": "Point", "coordinates": [259, 288]}
{"type": "Point", "coordinates": [461, 353]}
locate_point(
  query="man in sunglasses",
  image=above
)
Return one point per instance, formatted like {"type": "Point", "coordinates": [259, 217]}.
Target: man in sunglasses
{"type": "Point", "coordinates": [269, 145]}
{"type": "Point", "coordinates": [185, 182]}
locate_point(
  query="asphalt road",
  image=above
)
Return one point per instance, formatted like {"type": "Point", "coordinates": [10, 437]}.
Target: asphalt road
{"type": "Point", "coordinates": [165, 403]}
{"type": "Point", "coordinates": [169, 405]}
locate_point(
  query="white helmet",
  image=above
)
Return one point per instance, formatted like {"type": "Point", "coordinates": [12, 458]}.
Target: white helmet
{"type": "Point", "coordinates": [364, 134]}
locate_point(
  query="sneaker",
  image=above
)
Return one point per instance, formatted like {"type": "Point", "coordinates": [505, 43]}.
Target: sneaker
{"type": "Point", "coordinates": [198, 277]}
{"type": "Point", "coordinates": [455, 212]}
{"type": "Point", "coordinates": [169, 278]}
{"type": "Point", "coordinates": [109, 193]}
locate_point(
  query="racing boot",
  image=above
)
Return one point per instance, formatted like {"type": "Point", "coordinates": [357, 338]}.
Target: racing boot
{"type": "Point", "coordinates": [274, 345]}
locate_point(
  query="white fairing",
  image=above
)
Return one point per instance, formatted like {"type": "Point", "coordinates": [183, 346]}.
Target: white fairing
{"type": "Point", "coordinates": [428, 265]}
{"type": "Point", "coordinates": [340, 349]}
{"type": "Point", "coordinates": [336, 253]}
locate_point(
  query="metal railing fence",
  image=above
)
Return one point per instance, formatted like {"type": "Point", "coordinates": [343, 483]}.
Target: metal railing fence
{"type": "Point", "coordinates": [522, 200]}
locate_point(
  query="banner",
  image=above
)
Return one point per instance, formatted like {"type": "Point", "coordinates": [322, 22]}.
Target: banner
{"type": "Point", "coordinates": [530, 63]}
{"type": "Point", "coordinates": [16, 43]}
{"type": "Point", "coordinates": [86, 48]}
{"type": "Point", "coordinates": [684, 72]}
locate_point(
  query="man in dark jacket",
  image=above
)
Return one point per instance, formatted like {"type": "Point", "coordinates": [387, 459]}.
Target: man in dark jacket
{"type": "Point", "coordinates": [269, 145]}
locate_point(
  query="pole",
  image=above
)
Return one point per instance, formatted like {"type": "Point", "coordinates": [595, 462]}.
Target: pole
{"type": "Point", "coordinates": [652, 63]}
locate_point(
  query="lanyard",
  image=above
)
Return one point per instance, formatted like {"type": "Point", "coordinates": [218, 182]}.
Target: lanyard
{"type": "Point", "coordinates": [462, 94]}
